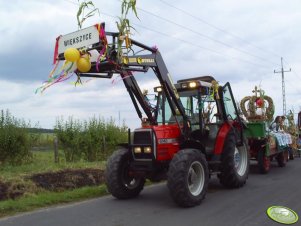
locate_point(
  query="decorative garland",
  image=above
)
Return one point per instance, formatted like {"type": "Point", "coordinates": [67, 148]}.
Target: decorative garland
{"type": "Point", "coordinates": [214, 88]}
{"type": "Point", "coordinates": [75, 61]}
{"type": "Point", "coordinates": [243, 106]}
{"type": "Point", "coordinates": [79, 60]}
{"type": "Point", "coordinates": [270, 110]}
{"type": "Point", "coordinates": [254, 102]}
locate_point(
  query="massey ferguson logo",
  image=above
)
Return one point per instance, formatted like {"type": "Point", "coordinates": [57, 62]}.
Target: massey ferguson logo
{"type": "Point", "coordinates": [168, 141]}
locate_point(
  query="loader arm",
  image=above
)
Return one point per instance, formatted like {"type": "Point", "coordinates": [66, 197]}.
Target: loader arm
{"type": "Point", "coordinates": [130, 63]}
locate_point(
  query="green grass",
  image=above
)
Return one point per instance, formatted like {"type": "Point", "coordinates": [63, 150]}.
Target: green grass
{"type": "Point", "coordinates": [46, 199]}
{"type": "Point", "coordinates": [34, 197]}
{"type": "Point", "coordinates": [43, 161]}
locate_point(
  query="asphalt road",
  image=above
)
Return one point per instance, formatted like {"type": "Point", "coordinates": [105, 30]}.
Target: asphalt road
{"type": "Point", "coordinates": [154, 207]}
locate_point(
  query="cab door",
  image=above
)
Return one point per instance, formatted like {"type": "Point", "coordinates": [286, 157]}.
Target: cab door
{"type": "Point", "coordinates": [231, 114]}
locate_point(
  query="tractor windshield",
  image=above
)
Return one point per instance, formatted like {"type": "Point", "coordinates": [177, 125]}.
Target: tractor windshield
{"type": "Point", "coordinates": [198, 106]}
{"type": "Point", "coordinates": [164, 112]}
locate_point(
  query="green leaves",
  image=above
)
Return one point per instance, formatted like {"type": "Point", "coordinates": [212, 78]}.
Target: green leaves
{"type": "Point", "coordinates": [124, 25]}
{"type": "Point", "coordinates": [81, 16]}
{"type": "Point", "coordinates": [15, 141]}
{"type": "Point", "coordinates": [91, 140]}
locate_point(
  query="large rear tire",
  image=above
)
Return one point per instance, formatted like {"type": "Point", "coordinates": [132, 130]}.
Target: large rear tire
{"type": "Point", "coordinates": [188, 177]}
{"type": "Point", "coordinates": [282, 158]}
{"type": "Point", "coordinates": [263, 162]}
{"type": "Point", "coordinates": [235, 162]}
{"type": "Point", "coordinates": [119, 183]}
{"type": "Point", "coordinates": [291, 154]}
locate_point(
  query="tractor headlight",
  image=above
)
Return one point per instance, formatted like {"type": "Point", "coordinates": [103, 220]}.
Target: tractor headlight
{"type": "Point", "coordinates": [158, 89]}
{"type": "Point", "coordinates": [147, 150]}
{"type": "Point", "coordinates": [192, 84]}
{"type": "Point", "coordinates": [137, 150]}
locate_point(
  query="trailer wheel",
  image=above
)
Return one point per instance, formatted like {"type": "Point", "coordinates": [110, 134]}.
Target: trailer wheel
{"type": "Point", "coordinates": [119, 183]}
{"type": "Point", "coordinates": [187, 178]}
{"type": "Point", "coordinates": [263, 162]}
{"type": "Point", "coordinates": [235, 163]}
{"type": "Point", "coordinates": [282, 158]}
{"type": "Point", "coordinates": [291, 154]}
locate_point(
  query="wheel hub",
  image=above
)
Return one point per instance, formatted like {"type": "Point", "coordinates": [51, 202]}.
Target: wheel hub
{"type": "Point", "coordinates": [236, 159]}
{"type": "Point", "coordinates": [196, 178]}
{"type": "Point", "coordinates": [240, 160]}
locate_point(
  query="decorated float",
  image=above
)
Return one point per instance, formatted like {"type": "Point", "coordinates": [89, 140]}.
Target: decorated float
{"type": "Point", "coordinates": [258, 111]}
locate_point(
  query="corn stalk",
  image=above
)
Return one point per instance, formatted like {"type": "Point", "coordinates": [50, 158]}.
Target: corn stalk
{"type": "Point", "coordinates": [82, 15]}
{"type": "Point", "coordinates": [124, 25]}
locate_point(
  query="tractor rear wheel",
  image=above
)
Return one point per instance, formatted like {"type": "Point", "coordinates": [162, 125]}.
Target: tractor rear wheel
{"type": "Point", "coordinates": [119, 183]}
{"type": "Point", "coordinates": [291, 154]}
{"type": "Point", "coordinates": [282, 158]}
{"type": "Point", "coordinates": [263, 162]}
{"type": "Point", "coordinates": [235, 163]}
{"type": "Point", "coordinates": [188, 177]}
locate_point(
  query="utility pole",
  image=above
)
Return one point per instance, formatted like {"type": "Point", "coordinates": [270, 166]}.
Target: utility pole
{"type": "Point", "coordinates": [283, 86]}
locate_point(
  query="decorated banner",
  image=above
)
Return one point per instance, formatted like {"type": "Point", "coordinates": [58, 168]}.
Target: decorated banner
{"type": "Point", "coordinates": [73, 54]}
{"type": "Point", "coordinates": [79, 51]}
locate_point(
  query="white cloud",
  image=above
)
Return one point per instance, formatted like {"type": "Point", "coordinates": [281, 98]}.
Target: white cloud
{"type": "Point", "coordinates": [30, 27]}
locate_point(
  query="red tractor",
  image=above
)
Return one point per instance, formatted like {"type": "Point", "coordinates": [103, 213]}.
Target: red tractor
{"type": "Point", "coordinates": [193, 132]}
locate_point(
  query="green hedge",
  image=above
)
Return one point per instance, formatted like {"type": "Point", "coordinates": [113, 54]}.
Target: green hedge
{"type": "Point", "coordinates": [15, 141]}
{"type": "Point", "coordinates": [91, 140]}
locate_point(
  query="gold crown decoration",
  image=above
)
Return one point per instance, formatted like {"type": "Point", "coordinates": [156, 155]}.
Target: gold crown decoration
{"type": "Point", "coordinates": [258, 107]}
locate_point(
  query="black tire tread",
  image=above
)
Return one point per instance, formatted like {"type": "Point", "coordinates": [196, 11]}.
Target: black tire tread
{"type": "Point", "coordinates": [113, 176]}
{"type": "Point", "coordinates": [260, 156]}
{"type": "Point", "coordinates": [228, 176]}
{"type": "Point", "coordinates": [177, 177]}
{"type": "Point", "coordinates": [281, 159]}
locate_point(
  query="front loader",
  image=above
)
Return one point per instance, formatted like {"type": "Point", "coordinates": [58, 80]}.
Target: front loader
{"type": "Point", "coordinates": [194, 131]}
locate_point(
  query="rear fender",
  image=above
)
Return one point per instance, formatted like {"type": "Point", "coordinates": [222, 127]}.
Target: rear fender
{"type": "Point", "coordinates": [220, 138]}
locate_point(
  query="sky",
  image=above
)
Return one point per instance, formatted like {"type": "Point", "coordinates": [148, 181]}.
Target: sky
{"type": "Point", "coordinates": [240, 42]}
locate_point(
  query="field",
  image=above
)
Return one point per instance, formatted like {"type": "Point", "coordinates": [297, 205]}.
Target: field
{"type": "Point", "coordinates": [42, 167]}
{"type": "Point", "coordinates": [44, 182]}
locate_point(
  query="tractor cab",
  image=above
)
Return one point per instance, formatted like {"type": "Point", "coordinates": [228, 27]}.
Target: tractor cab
{"type": "Point", "coordinates": [210, 109]}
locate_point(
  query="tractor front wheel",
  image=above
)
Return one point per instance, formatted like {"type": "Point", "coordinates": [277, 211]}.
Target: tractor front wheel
{"type": "Point", "coordinates": [188, 177]}
{"type": "Point", "coordinates": [119, 183]}
{"type": "Point", "coordinates": [235, 163]}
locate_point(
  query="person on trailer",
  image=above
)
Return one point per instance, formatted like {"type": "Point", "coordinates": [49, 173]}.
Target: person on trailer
{"type": "Point", "coordinates": [287, 136]}
{"type": "Point", "coordinates": [277, 130]}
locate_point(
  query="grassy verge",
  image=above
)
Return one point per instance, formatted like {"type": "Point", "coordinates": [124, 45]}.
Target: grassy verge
{"type": "Point", "coordinates": [34, 197]}
{"type": "Point", "coordinates": [43, 161]}
{"type": "Point", "coordinates": [45, 199]}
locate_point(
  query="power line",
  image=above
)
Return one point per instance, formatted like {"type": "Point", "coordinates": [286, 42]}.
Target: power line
{"type": "Point", "coordinates": [203, 35]}
{"type": "Point", "coordinates": [198, 46]}
{"type": "Point", "coordinates": [217, 28]}
{"type": "Point", "coordinates": [297, 75]}
{"type": "Point", "coordinates": [70, 1]}
{"type": "Point", "coordinates": [181, 40]}
{"type": "Point", "coordinates": [293, 86]}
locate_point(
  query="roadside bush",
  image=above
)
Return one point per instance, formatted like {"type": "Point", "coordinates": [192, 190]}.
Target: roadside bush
{"type": "Point", "coordinates": [15, 141]}
{"type": "Point", "coordinates": [115, 135]}
{"type": "Point", "coordinates": [69, 136]}
{"type": "Point", "coordinates": [91, 140]}
{"type": "Point", "coordinates": [41, 141]}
